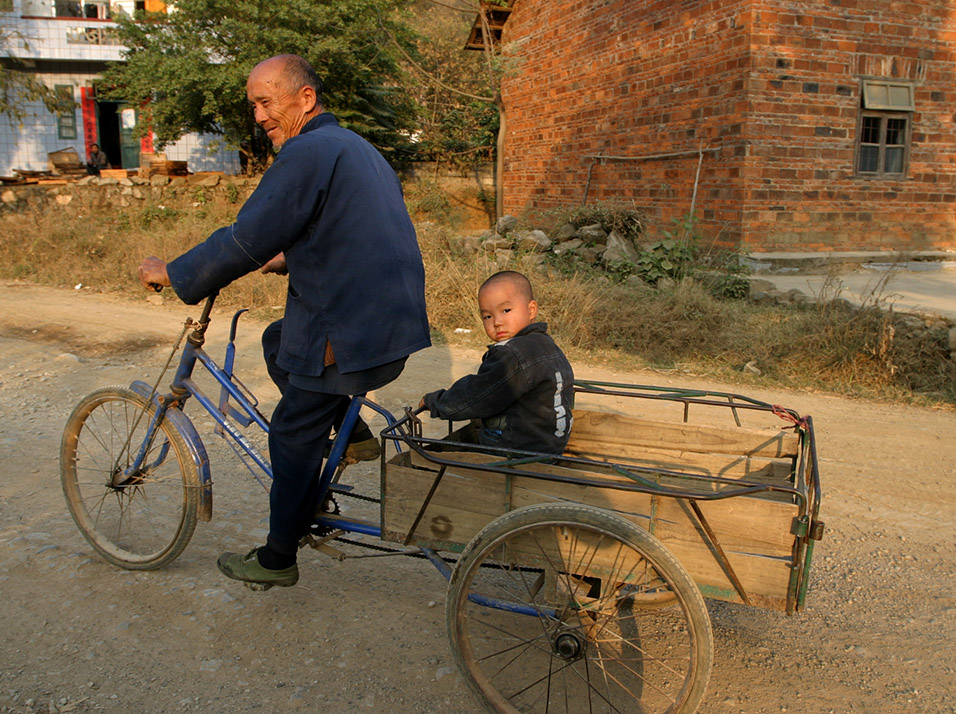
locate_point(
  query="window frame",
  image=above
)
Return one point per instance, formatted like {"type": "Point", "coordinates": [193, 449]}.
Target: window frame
{"type": "Point", "coordinates": [871, 100]}
{"type": "Point", "coordinates": [67, 128]}
{"type": "Point", "coordinates": [883, 112]}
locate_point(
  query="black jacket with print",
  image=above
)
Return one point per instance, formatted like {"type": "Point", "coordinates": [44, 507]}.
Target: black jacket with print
{"type": "Point", "coordinates": [523, 393]}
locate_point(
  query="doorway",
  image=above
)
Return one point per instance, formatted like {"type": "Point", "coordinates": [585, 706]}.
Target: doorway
{"type": "Point", "coordinates": [117, 121]}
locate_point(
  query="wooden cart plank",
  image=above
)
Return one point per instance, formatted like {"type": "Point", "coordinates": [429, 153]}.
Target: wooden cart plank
{"type": "Point", "coordinates": [712, 465]}
{"type": "Point", "coordinates": [746, 525]}
{"type": "Point", "coordinates": [617, 434]}
{"type": "Point", "coordinates": [461, 506]}
{"type": "Point", "coordinates": [754, 533]}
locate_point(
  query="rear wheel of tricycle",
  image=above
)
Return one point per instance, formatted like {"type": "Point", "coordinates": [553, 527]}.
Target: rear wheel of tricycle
{"type": "Point", "coordinates": [545, 613]}
{"type": "Point", "coordinates": [139, 519]}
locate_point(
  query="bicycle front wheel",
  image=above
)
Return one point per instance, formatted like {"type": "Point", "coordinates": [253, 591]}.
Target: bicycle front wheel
{"type": "Point", "coordinates": [137, 519]}
{"type": "Point", "coordinates": [567, 608]}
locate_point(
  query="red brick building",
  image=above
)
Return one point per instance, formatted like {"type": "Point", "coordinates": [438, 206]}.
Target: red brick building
{"type": "Point", "coordinates": [825, 124]}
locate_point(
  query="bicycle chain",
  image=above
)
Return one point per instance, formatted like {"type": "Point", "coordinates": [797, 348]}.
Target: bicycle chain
{"type": "Point", "coordinates": [331, 507]}
{"type": "Point", "coordinates": [359, 496]}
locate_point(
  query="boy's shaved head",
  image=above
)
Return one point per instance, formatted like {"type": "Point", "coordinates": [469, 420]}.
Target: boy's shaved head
{"type": "Point", "coordinates": [518, 281]}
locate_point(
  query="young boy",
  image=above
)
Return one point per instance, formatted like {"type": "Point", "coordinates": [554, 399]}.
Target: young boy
{"type": "Point", "coordinates": [523, 390]}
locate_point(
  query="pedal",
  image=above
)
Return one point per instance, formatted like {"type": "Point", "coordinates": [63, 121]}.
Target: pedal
{"type": "Point", "coordinates": [258, 587]}
{"type": "Point", "coordinates": [321, 544]}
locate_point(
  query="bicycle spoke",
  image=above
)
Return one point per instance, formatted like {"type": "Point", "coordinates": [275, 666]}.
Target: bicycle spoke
{"type": "Point", "coordinates": [600, 652]}
{"type": "Point", "coordinates": [138, 518]}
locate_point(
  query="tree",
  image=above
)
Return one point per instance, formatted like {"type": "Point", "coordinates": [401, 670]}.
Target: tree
{"type": "Point", "coordinates": [187, 69]}
{"type": "Point", "coordinates": [467, 90]}
{"type": "Point", "coordinates": [457, 118]}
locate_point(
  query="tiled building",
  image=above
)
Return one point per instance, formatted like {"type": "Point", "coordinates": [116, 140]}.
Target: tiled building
{"type": "Point", "coordinates": [816, 124]}
{"type": "Point", "coordinates": [67, 43]}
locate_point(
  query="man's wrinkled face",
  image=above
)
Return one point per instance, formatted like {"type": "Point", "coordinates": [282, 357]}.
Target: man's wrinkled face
{"type": "Point", "coordinates": [278, 109]}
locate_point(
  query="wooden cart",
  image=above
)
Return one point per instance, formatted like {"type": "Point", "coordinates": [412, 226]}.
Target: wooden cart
{"type": "Point", "coordinates": [707, 488]}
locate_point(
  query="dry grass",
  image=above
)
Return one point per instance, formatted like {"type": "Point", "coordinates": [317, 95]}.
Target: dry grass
{"type": "Point", "coordinates": [827, 345]}
{"type": "Point", "coordinates": [99, 247]}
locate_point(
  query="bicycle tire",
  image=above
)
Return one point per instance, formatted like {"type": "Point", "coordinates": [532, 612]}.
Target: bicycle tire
{"type": "Point", "coordinates": [576, 637]}
{"type": "Point", "coordinates": [147, 521]}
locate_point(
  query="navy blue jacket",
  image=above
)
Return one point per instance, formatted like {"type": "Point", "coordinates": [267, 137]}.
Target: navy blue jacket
{"type": "Point", "coordinates": [523, 392]}
{"type": "Point", "coordinates": [356, 279]}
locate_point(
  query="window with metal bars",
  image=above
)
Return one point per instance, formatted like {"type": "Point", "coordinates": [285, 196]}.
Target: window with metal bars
{"type": "Point", "coordinates": [883, 133]}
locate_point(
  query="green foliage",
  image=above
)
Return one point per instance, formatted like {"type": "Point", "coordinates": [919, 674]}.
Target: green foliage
{"type": "Point", "coordinates": [451, 126]}
{"type": "Point", "coordinates": [726, 275]}
{"type": "Point", "coordinates": [668, 258]}
{"type": "Point", "coordinates": [427, 200]}
{"type": "Point", "coordinates": [232, 193]}
{"type": "Point", "coordinates": [187, 69]}
{"type": "Point", "coordinates": [153, 214]}
{"type": "Point", "coordinates": [568, 264]}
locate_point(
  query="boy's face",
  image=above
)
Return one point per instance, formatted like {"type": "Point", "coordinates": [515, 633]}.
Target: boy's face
{"type": "Point", "coordinates": [505, 311]}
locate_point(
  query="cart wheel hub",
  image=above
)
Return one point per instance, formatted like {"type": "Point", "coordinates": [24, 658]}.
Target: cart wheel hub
{"type": "Point", "coordinates": [568, 646]}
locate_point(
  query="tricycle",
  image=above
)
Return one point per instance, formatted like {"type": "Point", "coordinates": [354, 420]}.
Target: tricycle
{"type": "Point", "coordinates": [576, 582]}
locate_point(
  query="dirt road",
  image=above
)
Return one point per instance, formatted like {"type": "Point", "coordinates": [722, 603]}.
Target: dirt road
{"type": "Point", "coordinates": [79, 635]}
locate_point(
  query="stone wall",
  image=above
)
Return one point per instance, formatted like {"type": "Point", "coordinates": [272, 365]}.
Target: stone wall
{"type": "Point", "coordinates": [772, 90]}
{"type": "Point", "coordinates": [105, 193]}
{"type": "Point", "coordinates": [466, 189]}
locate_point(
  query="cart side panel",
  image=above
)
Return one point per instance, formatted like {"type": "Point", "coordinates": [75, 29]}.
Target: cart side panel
{"type": "Point", "coordinates": [463, 503]}
{"type": "Point", "coordinates": [753, 532]}
{"type": "Point", "coordinates": [747, 525]}
{"type": "Point", "coordinates": [629, 436]}
{"type": "Point", "coordinates": [756, 469]}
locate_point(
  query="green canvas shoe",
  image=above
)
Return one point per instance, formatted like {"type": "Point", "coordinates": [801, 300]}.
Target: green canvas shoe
{"type": "Point", "coordinates": [247, 569]}
{"type": "Point", "coordinates": [365, 450]}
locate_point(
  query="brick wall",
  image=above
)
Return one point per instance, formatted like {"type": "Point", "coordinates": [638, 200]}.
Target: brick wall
{"type": "Point", "coordinates": [773, 90]}
{"type": "Point", "coordinates": [805, 86]}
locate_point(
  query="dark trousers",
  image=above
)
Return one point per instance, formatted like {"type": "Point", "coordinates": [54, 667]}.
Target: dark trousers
{"type": "Point", "coordinates": [298, 432]}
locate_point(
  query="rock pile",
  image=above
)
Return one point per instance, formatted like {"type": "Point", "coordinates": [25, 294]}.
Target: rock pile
{"type": "Point", "coordinates": [589, 244]}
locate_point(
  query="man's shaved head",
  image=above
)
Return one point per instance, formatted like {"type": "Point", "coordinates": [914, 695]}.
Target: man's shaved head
{"type": "Point", "coordinates": [517, 281]}
{"type": "Point", "coordinates": [295, 73]}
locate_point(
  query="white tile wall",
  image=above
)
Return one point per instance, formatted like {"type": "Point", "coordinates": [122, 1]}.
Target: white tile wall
{"type": "Point", "coordinates": [56, 39]}
{"type": "Point", "coordinates": [25, 146]}
{"type": "Point", "coordinates": [204, 153]}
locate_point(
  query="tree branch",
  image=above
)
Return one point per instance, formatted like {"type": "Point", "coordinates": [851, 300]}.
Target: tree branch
{"type": "Point", "coordinates": [465, 10]}
{"type": "Point", "coordinates": [426, 72]}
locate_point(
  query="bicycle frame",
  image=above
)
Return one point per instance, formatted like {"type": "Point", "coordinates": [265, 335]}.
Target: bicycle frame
{"type": "Point", "coordinates": [237, 405]}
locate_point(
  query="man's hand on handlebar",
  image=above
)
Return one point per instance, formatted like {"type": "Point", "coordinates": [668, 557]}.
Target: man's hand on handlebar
{"type": "Point", "coordinates": [152, 274]}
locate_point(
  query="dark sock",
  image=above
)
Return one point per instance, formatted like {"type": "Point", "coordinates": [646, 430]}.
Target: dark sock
{"type": "Point", "coordinates": [361, 432]}
{"type": "Point", "coordinates": [272, 559]}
